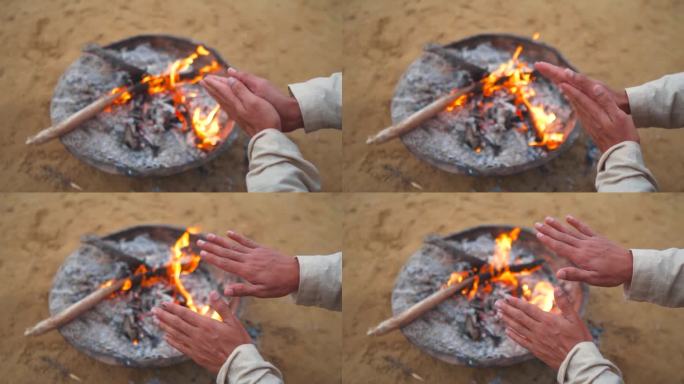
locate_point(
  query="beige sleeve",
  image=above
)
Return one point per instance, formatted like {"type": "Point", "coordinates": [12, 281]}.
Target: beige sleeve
{"type": "Point", "coordinates": [585, 364]}
{"type": "Point", "coordinates": [320, 281]}
{"type": "Point", "coordinates": [246, 366]}
{"type": "Point", "coordinates": [276, 165]}
{"type": "Point", "coordinates": [621, 169]}
{"type": "Point", "coordinates": [320, 101]}
{"type": "Point", "coordinates": [659, 103]}
{"type": "Point", "coordinates": [657, 277]}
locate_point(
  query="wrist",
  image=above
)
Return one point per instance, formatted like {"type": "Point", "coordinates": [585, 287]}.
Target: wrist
{"type": "Point", "coordinates": [292, 118]}
{"type": "Point", "coordinates": [294, 278]}
{"type": "Point", "coordinates": [622, 101]}
{"type": "Point", "coordinates": [629, 268]}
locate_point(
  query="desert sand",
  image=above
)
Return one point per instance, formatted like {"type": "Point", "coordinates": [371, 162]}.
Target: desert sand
{"type": "Point", "coordinates": [284, 41]}
{"type": "Point", "coordinates": [624, 43]}
{"type": "Point", "coordinates": [383, 230]}
{"type": "Point", "coordinates": [39, 230]}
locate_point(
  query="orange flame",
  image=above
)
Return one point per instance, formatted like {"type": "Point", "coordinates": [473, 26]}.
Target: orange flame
{"type": "Point", "coordinates": [498, 266]}
{"type": "Point", "coordinates": [515, 77]}
{"type": "Point", "coordinates": [206, 129]}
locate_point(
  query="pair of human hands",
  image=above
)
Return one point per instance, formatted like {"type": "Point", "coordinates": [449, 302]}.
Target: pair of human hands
{"type": "Point", "coordinates": [266, 273]}
{"type": "Point", "coordinates": [253, 102]}
{"type": "Point", "coordinates": [596, 260]}
{"type": "Point", "coordinates": [604, 112]}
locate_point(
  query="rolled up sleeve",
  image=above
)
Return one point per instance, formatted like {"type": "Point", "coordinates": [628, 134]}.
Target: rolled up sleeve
{"type": "Point", "coordinates": [585, 364]}
{"type": "Point", "coordinates": [277, 165]}
{"type": "Point", "coordinates": [320, 101]}
{"type": "Point", "coordinates": [657, 277]}
{"type": "Point", "coordinates": [320, 281]}
{"type": "Point", "coordinates": [621, 169]}
{"type": "Point", "coordinates": [659, 103]}
{"type": "Point", "coordinates": [246, 366]}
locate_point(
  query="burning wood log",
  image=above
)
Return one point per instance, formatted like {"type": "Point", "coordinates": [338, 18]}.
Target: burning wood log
{"type": "Point", "coordinates": [439, 296]}
{"type": "Point", "coordinates": [456, 252]}
{"type": "Point", "coordinates": [135, 72]}
{"type": "Point", "coordinates": [112, 250]}
{"type": "Point", "coordinates": [419, 117]}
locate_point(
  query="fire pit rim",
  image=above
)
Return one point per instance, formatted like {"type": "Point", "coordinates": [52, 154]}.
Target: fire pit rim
{"type": "Point", "coordinates": [115, 168]}
{"type": "Point", "coordinates": [120, 234]}
{"type": "Point", "coordinates": [501, 228]}
{"type": "Point", "coordinates": [457, 167]}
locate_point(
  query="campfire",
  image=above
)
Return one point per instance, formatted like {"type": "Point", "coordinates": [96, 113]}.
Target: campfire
{"type": "Point", "coordinates": [512, 120]}
{"type": "Point", "coordinates": [161, 120]}
{"type": "Point", "coordinates": [485, 263]}
{"type": "Point", "coordinates": [149, 265]}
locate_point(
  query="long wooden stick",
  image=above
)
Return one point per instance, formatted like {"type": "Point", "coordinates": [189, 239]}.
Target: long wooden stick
{"type": "Point", "coordinates": [80, 117]}
{"type": "Point", "coordinates": [74, 310]}
{"type": "Point", "coordinates": [418, 117]}
{"type": "Point", "coordinates": [419, 308]}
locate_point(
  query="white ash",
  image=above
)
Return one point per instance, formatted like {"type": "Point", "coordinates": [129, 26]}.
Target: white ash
{"type": "Point", "coordinates": [102, 140]}
{"type": "Point", "coordinates": [442, 140]}
{"type": "Point", "coordinates": [102, 331]}
{"type": "Point", "coordinates": [442, 331]}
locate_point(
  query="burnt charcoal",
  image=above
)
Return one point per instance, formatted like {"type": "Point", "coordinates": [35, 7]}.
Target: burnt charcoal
{"type": "Point", "coordinates": [471, 327]}
{"type": "Point", "coordinates": [130, 328]}
{"type": "Point", "coordinates": [132, 138]}
{"type": "Point", "coordinates": [472, 136]}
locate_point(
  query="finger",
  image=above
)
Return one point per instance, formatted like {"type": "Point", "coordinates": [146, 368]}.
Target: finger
{"type": "Point", "coordinates": [247, 242]}
{"type": "Point", "coordinates": [523, 341]}
{"type": "Point", "coordinates": [188, 316]}
{"type": "Point", "coordinates": [225, 94]}
{"type": "Point", "coordinates": [559, 247]}
{"type": "Point", "coordinates": [241, 289]}
{"type": "Point", "coordinates": [602, 95]}
{"type": "Point", "coordinates": [511, 323]}
{"type": "Point", "coordinates": [530, 310]}
{"type": "Point", "coordinates": [580, 226]}
{"type": "Point", "coordinates": [180, 346]}
{"type": "Point", "coordinates": [564, 303]}
{"type": "Point", "coordinates": [219, 305]}
{"type": "Point", "coordinates": [553, 72]}
{"type": "Point", "coordinates": [226, 243]}
{"type": "Point", "coordinates": [579, 81]}
{"type": "Point", "coordinates": [234, 304]}
{"type": "Point", "coordinates": [588, 104]}
{"type": "Point", "coordinates": [233, 251]}
{"type": "Point", "coordinates": [556, 235]}
{"type": "Point", "coordinates": [169, 320]}
{"type": "Point", "coordinates": [246, 78]}
{"type": "Point", "coordinates": [575, 274]}
{"type": "Point", "coordinates": [174, 332]}
{"type": "Point", "coordinates": [509, 311]}
{"type": "Point", "coordinates": [553, 222]}
{"type": "Point", "coordinates": [242, 92]}
{"type": "Point", "coordinates": [223, 263]}
{"type": "Point", "coordinates": [585, 116]}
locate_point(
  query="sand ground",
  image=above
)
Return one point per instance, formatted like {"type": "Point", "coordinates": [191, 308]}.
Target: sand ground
{"type": "Point", "coordinates": [383, 230]}
{"type": "Point", "coordinates": [38, 231]}
{"type": "Point", "coordinates": [285, 41]}
{"type": "Point", "coordinates": [624, 43]}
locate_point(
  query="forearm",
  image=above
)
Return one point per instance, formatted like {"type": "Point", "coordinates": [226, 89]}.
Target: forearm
{"type": "Point", "coordinates": [320, 281]}
{"type": "Point", "coordinates": [621, 169]}
{"type": "Point", "coordinates": [320, 101]}
{"type": "Point", "coordinates": [246, 366]}
{"type": "Point", "coordinates": [657, 277]}
{"type": "Point", "coordinates": [585, 364]}
{"type": "Point", "coordinates": [277, 165]}
{"type": "Point", "coordinates": [659, 103]}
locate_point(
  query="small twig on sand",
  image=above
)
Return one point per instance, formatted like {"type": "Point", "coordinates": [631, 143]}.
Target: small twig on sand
{"type": "Point", "coordinates": [405, 180]}
{"type": "Point", "coordinates": [62, 369]}
{"type": "Point", "coordinates": [61, 178]}
{"type": "Point", "coordinates": [396, 363]}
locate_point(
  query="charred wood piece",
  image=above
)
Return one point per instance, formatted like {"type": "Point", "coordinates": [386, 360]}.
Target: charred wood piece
{"type": "Point", "coordinates": [134, 72]}
{"type": "Point", "coordinates": [112, 250]}
{"type": "Point", "coordinates": [456, 61]}
{"type": "Point", "coordinates": [454, 251]}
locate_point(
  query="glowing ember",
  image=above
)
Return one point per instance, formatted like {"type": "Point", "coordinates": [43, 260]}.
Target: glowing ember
{"type": "Point", "coordinates": [499, 268]}
{"type": "Point", "coordinates": [205, 126]}
{"type": "Point", "coordinates": [514, 78]}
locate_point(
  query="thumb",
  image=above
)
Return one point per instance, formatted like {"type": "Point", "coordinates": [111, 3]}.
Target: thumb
{"type": "Point", "coordinates": [240, 90]}
{"type": "Point", "coordinates": [605, 100]}
{"type": "Point", "coordinates": [246, 78]}
{"type": "Point", "coordinates": [240, 289]}
{"type": "Point", "coordinates": [563, 302]}
{"type": "Point", "coordinates": [219, 305]}
{"type": "Point", "coordinates": [574, 274]}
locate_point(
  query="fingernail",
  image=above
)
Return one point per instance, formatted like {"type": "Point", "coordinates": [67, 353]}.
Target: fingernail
{"type": "Point", "coordinates": [231, 70]}
{"type": "Point", "coordinates": [211, 236]}
{"type": "Point", "coordinates": [548, 219]}
{"type": "Point", "coordinates": [561, 275]}
{"type": "Point", "coordinates": [539, 235]}
{"type": "Point", "coordinates": [201, 242]}
{"type": "Point", "coordinates": [228, 292]}
{"type": "Point", "coordinates": [164, 305]}
{"type": "Point", "coordinates": [214, 296]}
{"type": "Point", "coordinates": [203, 254]}
{"type": "Point", "coordinates": [569, 72]}
{"type": "Point", "coordinates": [498, 304]}
{"type": "Point", "coordinates": [598, 90]}
{"type": "Point", "coordinates": [231, 80]}
{"type": "Point", "coordinates": [538, 225]}
{"type": "Point", "coordinates": [155, 310]}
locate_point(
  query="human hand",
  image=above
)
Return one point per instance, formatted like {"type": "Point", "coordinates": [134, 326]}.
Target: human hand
{"type": "Point", "coordinates": [287, 106]}
{"type": "Point", "coordinates": [251, 112]}
{"type": "Point", "coordinates": [549, 336]}
{"type": "Point", "coordinates": [206, 341]}
{"type": "Point", "coordinates": [267, 272]}
{"type": "Point", "coordinates": [598, 261]}
{"type": "Point", "coordinates": [596, 106]}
